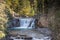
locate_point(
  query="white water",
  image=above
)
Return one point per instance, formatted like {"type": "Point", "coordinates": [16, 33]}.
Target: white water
{"type": "Point", "coordinates": [39, 34]}
{"type": "Point", "coordinates": [26, 23]}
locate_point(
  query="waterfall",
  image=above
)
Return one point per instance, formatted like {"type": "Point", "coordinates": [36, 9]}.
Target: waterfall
{"type": "Point", "coordinates": [25, 23]}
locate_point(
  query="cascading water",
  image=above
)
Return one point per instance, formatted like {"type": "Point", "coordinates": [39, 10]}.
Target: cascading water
{"type": "Point", "coordinates": [29, 23]}
{"type": "Point", "coordinates": [24, 23]}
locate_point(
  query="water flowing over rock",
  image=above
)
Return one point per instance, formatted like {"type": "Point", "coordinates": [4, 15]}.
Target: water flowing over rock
{"type": "Point", "coordinates": [27, 27]}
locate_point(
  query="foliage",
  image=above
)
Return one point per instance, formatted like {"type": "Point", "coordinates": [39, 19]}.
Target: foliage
{"type": "Point", "coordinates": [22, 7]}
{"type": "Point", "coordinates": [5, 16]}
{"type": "Point", "coordinates": [3, 20]}
{"type": "Point", "coordinates": [2, 34]}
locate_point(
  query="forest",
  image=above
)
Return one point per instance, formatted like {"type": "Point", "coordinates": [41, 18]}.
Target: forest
{"type": "Point", "coordinates": [48, 11]}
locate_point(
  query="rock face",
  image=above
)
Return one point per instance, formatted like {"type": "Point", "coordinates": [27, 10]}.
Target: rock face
{"type": "Point", "coordinates": [43, 21]}
{"type": "Point", "coordinates": [1, 0]}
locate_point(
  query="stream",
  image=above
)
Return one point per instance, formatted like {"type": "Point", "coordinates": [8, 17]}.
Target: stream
{"type": "Point", "coordinates": [27, 27]}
